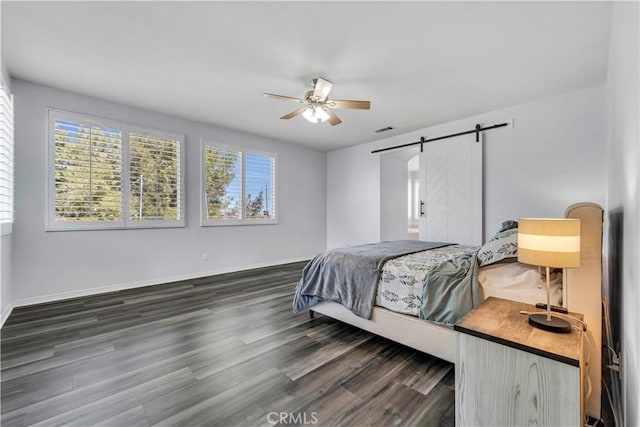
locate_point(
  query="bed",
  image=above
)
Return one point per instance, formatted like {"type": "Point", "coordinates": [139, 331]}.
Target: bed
{"type": "Point", "coordinates": [394, 317]}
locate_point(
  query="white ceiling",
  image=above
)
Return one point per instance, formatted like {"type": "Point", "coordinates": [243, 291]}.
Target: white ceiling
{"type": "Point", "coordinates": [419, 63]}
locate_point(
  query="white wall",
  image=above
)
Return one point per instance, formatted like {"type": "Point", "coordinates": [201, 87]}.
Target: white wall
{"type": "Point", "coordinates": [6, 253]}
{"type": "Point", "coordinates": [394, 190]}
{"type": "Point", "coordinates": [623, 199]}
{"type": "Point", "coordinates": [75, 262]}
{"type": "Point", "coordinates": [554, 156]}
{"type": "Point", "coordinates": [353, 197]}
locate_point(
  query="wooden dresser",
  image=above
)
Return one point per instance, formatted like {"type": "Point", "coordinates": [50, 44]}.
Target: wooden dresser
{"type": "Point", "coordinates": [509, 373]}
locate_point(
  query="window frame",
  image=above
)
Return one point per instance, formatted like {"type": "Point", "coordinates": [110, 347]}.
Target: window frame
{"type": "Point", "coordinates": [125, 172]}
{"type": "Point", "coordinates": [152, 223]}
{"type": "Point", "coordinates": [243, 220]}
{"type": "Point", "coordinates": [6, 227]}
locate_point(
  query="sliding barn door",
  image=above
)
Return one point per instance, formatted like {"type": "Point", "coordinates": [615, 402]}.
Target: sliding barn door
{"type": "Point", "coordinates": [451, 189]}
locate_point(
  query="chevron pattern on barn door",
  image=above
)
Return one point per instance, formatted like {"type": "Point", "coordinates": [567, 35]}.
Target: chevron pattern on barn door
{"type": "Point", "coordinates": [452, 191]}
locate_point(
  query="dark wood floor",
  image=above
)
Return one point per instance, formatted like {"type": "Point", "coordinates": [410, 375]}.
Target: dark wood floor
{"type": "Point", "coordinates": [224, 350]}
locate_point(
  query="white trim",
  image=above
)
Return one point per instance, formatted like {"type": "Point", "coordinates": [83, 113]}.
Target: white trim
{"type": "Point", "coordinates": [156, 281]}
{"type": "Point", "coordinates": [206, 222]}
{"type": "Point", "coordinates": [6, 313]}
{"type": "Point", "coordinates": [52, 224]}
{"type": "Point", "coordinates": [125, 128]}
{"type": "Point", "coordinates": [126, 173]}
{"type": "Point", "coordinates": [105, 225]}
{"type": "Point", "coordinates": [222, 222]}
{"type": "Point", "coordinates": [6, 228]}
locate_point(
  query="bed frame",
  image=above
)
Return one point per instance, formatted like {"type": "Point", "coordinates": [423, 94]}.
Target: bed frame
{"type": "Point", "coordinates": [411, 331]}
{"type": "Point", "coordinates": [582, 293]}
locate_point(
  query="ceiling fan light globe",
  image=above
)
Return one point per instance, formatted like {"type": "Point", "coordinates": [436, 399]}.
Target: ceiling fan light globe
{"type": "Point", "coordinates": [321, 114]}
{"type": "Point", "coordinates": [309, 115]}
{"type": "Point", "coordinates": [315, 115]}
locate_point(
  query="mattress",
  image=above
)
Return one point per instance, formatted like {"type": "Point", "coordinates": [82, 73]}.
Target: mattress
{"type": "Point", "coordinates": [401, 280]}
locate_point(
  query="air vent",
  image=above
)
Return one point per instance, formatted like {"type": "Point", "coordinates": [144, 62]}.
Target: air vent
{"type": "Point", "coordinates": [388, 128]}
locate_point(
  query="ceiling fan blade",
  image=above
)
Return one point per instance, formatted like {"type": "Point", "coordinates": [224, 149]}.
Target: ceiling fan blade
{"type": "Point", "coordinates": [284, 97]}
{"type": "Point", "coordinates": [321, 89]}
{"type": "Point", "coordinates": [333, 119]}
{"type": "Point", "coordinates": [343, 103]}
{"type": "Point", "coordinates": [293, 113]}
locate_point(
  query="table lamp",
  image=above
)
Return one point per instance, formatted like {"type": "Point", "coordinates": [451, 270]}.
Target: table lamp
{"type": "Point", "coordinates": [549, 242]}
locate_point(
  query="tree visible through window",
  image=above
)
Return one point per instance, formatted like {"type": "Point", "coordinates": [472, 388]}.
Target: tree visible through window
{"type": "Point", "coordinates": [88, 183]}
{"type": "Point", "coordinates": [259, 182]}
{"type": "Point", "coordinates": [89, 177]}
{"type": "Point", "coordinates": [238, 186]}
{"type": "Point", "coordinates": [223, 191]}
{"type": "Point", "coordinates": [155, 177]}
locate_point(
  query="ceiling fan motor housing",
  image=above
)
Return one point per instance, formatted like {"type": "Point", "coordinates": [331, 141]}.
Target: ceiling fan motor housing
{"type": "Point", "coordinates": [309, 96]}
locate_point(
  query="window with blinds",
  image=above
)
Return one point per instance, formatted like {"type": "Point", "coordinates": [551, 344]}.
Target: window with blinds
{"type": "Point", "coordinates": [223, 183]}
{"type": "Point", "coordinates": [238, 187]}
{"type": "Point", "coordinates": [106, 174]}
{"type": "Point", "coordinates": [154, 183]}
{"type": "Point", "coordinates": [259, 186]}
{"type": "Point", "coordinates": [88, 165]}
{"type": "Point", "coordinates": [6, 160]}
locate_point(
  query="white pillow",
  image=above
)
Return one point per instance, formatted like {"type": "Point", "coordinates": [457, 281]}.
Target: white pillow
{"type": "Point", "coordinates": [520, 282]}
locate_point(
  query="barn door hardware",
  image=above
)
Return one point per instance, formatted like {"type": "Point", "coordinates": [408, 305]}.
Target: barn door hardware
{"type": "Point", "coordinates": [422, 141]}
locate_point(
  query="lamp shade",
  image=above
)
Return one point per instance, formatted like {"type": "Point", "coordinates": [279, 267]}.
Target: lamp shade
{"type": "Point", "coordinates": [549, 242]}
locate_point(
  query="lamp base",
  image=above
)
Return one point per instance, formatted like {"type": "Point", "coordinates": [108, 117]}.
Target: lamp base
{"type": "Point", "coordinates": [556, 324]}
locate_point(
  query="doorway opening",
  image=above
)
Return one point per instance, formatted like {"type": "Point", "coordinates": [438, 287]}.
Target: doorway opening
{"type": "Point", "coordinates": [413, 193]}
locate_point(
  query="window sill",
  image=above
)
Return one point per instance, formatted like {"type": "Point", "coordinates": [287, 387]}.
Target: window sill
{"type": "Point", "coordinates": [6, 228]}
{"type": "Point", "coordinates": [62, 226]}
{"type": "Point", "coordinates": [235, 222]}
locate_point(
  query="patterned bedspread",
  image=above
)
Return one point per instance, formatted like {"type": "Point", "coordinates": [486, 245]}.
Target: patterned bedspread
{"type": "Point", "coordinates": [400, 288]}
{"type": "Point", "coordinates": [350, 275]}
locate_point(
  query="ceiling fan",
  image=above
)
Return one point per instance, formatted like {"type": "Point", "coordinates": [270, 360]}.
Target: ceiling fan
{"type": "Point", "coordinates": [318, 106]}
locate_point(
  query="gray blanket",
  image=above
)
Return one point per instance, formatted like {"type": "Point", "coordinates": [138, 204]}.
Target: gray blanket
{"type": "Point", "coordinates": [451, 290]}
{"type": "Point", "coordinates": [350, 275]}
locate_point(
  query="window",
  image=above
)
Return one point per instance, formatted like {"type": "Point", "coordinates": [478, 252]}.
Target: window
{"type": "Point", "coordinates": [154, 181]}
{"type": "Point", "coordinates": [106, 174]}
{"type": "Point", "coordinates": [238, 187]}
{"type": "Point", "coordinates": [87, 167]}
{"type": "Point", "coordinates": [6, 160]}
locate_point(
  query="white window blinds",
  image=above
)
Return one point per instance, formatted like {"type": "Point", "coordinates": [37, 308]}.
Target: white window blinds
{"type": "Point", "coordinates": [154, 178]}
{"type": "Point", "coordinates": [260, 189]}
{"type": "Point", "coordinates": [238, 187]}
{"type": "Point", "coordinates": [6, 159]}
{"type": "Point", "coordinates": [107, 174]}
{"type": "Point", "coordinates": [223, 183]}
{"type": "Point", "coordinates": [88, 164]}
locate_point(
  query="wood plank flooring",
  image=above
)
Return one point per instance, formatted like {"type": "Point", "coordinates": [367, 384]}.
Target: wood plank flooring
{"type": "Point", "coordinates": [223, 350]}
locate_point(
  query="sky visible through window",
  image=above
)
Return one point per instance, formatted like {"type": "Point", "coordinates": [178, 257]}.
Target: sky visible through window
{"type": "Point", "coordinates": [76, 129]}
{"type": "Point", "coordinates": [258, 177]}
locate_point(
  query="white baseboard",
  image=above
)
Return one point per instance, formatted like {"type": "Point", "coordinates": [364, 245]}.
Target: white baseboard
{"type": "Point", "coordinates": [5, 313]}
{"type": "Point", "coordinates": [131, 285]}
